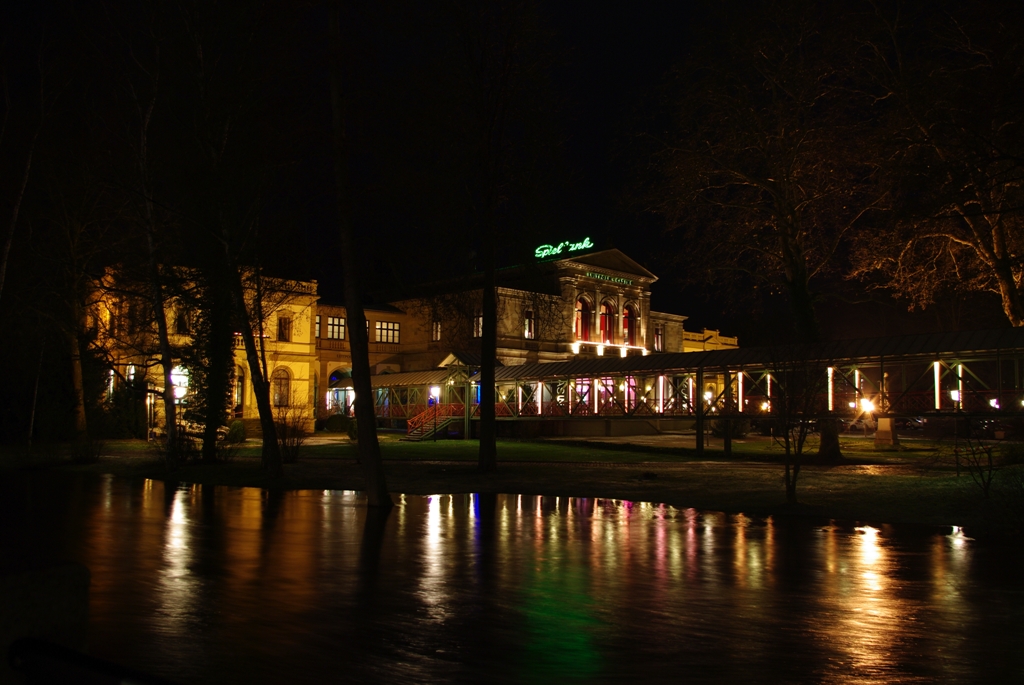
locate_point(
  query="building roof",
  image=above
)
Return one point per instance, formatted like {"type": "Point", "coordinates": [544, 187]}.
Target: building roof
{"type": "Point", "coordinates": [410, 379]}
{"type": "Point", "coordinates": [463, 359]}
{"type": "Point", "coordinates": [925, 346]}
{"type": "Point", "coordinates": [612, 260]}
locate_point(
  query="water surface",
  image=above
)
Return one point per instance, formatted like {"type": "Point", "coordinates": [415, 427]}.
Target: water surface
{"type": "Point", "coordinates": [210, 584]}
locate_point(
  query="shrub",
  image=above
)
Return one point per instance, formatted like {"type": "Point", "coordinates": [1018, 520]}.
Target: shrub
{"type": "Point", "coordinates": [291, 433]}
{"type": "Point", "coordinates": [738, 427]}
{"type": "Point", "coordinates": [236, 433]}
{"type": "Point", "coordinates": [337, 423]}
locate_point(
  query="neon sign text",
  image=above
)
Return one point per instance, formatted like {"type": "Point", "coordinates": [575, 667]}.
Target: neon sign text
{"type": "Point", "coordinates": [566, 246]}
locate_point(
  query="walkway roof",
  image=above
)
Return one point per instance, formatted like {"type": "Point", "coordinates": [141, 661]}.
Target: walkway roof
{"type": "Point", "coordinates": [924, 347]}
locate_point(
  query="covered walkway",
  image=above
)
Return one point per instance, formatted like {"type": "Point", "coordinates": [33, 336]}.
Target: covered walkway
{"type": "Point", "coordinates": [973, 374]}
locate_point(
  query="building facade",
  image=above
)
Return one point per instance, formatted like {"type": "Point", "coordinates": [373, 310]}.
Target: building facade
{"type": "Point", "coordinates": [589, 305]}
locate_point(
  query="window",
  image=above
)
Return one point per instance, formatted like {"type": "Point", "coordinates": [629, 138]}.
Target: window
{"type": "Point", "coordinates": [316, 329]}
{"type": "Point", "coordinates": [582, 326]}
{"type": "Point", "coordinates": [181, 326]}
{"type": "Point", "coordinates": [284, 329]}
{"type": "Point", "coordinates": [607, 323]}
{"type": "Point", "coordinates": [435, 331]}
{"type": "Point", "coordinates": [659, 339]}
{"type": "Point", "coordinates": [387, 331]}
{"type": "Point", "coordinates": [478, 325]}
{"type": "Point", "coordinates": [280, 388]}
{"type": "Point", "coordinates": [529, 330]}
{"type": "Point", "coordinates": [335, 328]}
{"type": "Point", "coordinates": [629, 325]}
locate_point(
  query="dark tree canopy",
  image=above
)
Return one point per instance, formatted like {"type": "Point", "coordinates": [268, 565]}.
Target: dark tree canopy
{"type": "Point", "coordinates": [761, 179]}
{"type": "Point", "coordinates": [953, 78]}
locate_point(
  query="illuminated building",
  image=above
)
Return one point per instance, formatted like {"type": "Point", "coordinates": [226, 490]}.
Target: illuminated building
{"type": "Point", "coordinates": [572, 303]}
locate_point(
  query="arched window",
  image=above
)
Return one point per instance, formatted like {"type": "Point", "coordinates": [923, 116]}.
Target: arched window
{"type": "Point", "coordinates": [280, 388]}
{"type": "Point", "coordinates": [607, 323]}
{"type": "Point", "coordinates": [582, 326]}
{"type": "Point", "coordinates": [629, 325]}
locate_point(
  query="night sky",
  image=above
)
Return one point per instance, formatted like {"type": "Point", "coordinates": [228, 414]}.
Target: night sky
{"type": "Point", "coordinates": [598, 101]}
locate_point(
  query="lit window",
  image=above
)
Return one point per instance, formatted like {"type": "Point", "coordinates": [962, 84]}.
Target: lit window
{"type": "Point", "coordinates": [659, 339]}
{"type": "Point", "coordinates": [582, 326]}
{"type": "Point", "coordinates": [629, 321]}
{"type": "Point", "coordinates": [478, 325]}
{"type": "Point", "coordinates": [529, 323]}
{"type": "Point", "coordinates": [316, 331]}
{"type": "Point", "coordinates": [284, 329]}
{"type": "Point", "coordinates": [435, 331]}
{"type": "Point", "coordinates": [387, 331]}
{"type": "Point", "coordinates": [607, 323]}
{"type": "Point", "coordinates": [335, 328]}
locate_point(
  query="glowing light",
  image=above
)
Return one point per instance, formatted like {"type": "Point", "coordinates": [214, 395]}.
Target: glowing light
{"type": "Point", "coordinates": [954, 395]}
{"type": "Point", "coordinates": [622, 351]}
{"type": "Point", "coordinates": [707, 396]}
{"type": "Point", "coordinates": [600, 350]}
{"type": "Point", "coordinates": [179, 379]}
{"type": "Point", "coordinates": [765, 406]}
{"type": "Point", "coordinates": [866, 405]}
{"type": "Point", "coordinates": [994, 403]}
{"type": "Point", "coordinates": [576, 348]}
{"type": "Point", "coordinates": [853, 405]}
{"type": "Point", "coordinates": [435, 391]}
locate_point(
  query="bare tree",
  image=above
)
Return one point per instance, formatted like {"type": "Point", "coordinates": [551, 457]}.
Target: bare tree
{"type": "Point", "coordinates": [761, 179]}
{"type": "Point", "coordinates": [953, 140]}
{"type": "Point", "coordinates": [795, 404]}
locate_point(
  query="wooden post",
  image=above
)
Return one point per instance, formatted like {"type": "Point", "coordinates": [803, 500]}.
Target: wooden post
{"type": "Point", "coordinates": [726, 421]}
{"type": "Point", "coordinates": [699, 397]}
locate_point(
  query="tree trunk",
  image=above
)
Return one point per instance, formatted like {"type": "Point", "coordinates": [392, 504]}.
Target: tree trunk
{"type": "Point", "coordinates": [166, 354]}
{"type": "Point", "coordinates": [220, 353]}
{"type": "Point", "coordinates": [17, 206]}
{"type": "Point", "coordinates": [35, 397]}
{"type": "Point", "coordinates": [792, 472]}
{"type": "Point", "coordinates": [1010, 296]}
{"type": "Point", "coordinates": [271, 453]}
{"type": "Point", "coordinates": [488, 457]}
{"type": "Point", "coordinates": [78, 386]}
{"type": "Point", "coordinates": [828, 448]}
{"type": "Point", "coordinates": [802, 305]}
{"type": "Point", "coordinates": [366, 421]}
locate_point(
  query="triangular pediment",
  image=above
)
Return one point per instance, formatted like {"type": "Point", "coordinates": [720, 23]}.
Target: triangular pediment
{"type": "Point", "coordinates": [614, 260]}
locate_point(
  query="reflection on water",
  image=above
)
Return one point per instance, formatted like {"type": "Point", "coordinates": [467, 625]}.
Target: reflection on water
{"type": "Point", "coordinates": [214, 584]}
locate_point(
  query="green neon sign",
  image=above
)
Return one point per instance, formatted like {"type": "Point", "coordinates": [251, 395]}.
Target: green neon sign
{"type": "Point", "coordinates": [550, 250]}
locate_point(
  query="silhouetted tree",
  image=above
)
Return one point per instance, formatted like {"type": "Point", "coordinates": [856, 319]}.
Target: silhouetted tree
{"type": "Point", "coordinates": [366, 421]}
{"type": "Point", "coordinates": [761, 178]}
{"type": "Point", "coordinates": [952, 78]}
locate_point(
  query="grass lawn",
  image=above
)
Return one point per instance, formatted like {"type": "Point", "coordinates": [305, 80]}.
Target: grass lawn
{"type": "Point", "coordinates": [916, 485]}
